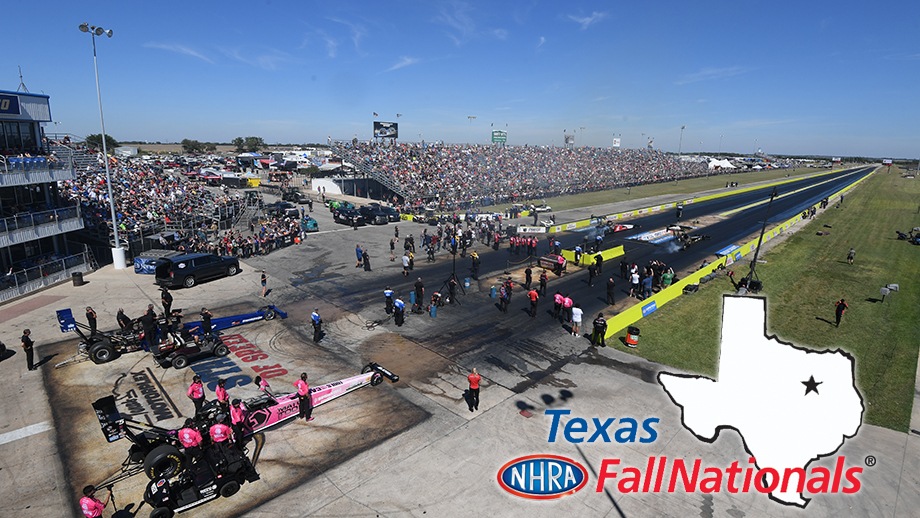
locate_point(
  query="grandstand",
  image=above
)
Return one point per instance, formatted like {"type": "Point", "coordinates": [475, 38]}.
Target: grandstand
{"type": "Point", "coordinates": [37, 223]}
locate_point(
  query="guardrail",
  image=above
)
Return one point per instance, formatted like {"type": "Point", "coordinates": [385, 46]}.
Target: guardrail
{"type": "Point", "coordinates": [20, 283]}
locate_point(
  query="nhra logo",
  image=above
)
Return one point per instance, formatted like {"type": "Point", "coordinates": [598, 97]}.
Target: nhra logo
{"type": "Point", "coordinates": [542, 477]}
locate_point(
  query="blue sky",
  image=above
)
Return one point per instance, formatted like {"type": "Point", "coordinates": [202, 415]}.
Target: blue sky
{"type": "Point", "coordinates": [787, 77]}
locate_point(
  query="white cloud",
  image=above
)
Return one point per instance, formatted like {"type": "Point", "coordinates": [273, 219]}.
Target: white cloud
{"type": "Point", "coordinates": [358, 32]}
{"type": "Point", "coordinates": [456, 16]}
{"type": "Point", "coordinates": [269, 60]}
{"type": "Point", "coordinates": [500, 33]}
{"type": "Point", "coordinates": [541, 42]}
{"type": "Point", "coordinates": [710, 74]}
{"type": "Point", "coordinates": [178, 49]}
{"type": "Point", "coordinates": [587, 21]}
{"type": "Point", "coordinates": [403, 62]}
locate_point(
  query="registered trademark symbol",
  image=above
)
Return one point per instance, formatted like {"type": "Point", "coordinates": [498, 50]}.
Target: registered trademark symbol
{"type": "Point", "coordinates": [870, 461]}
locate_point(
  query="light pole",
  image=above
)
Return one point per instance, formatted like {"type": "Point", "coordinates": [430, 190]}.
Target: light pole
{"type": "Point", "coordinates": [118, 253]}
{"type": "Point", "coordinates": [681, 142]}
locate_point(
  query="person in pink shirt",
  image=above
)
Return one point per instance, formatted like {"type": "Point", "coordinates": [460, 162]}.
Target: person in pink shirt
{"type": "Point", "coordinates": [557, 305]}
{"type": "Point", "coordinates": [303, 393]}
{"type": "Point", "coordinates": [263, 385]}
{"type": "Point", "coordinates": [221, 434]}
{"type": "Point", "coordinates": [191, 439]}
{"type": "Point", "coordinates": [196, 393]}
{"type": "Point", "coordinates": [238, 416]}
{"type": "Point", "coordinates": [567, 306]}
{"type": "Point", "coordinates": [223, 398]}
{"type": "Point", "coordinates": [90, 505]}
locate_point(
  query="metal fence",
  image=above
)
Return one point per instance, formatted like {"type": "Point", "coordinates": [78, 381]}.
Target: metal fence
{"type": "Point", "coordinates": [51, 272]}
{"type": "Point", "coordinates": [34, 219]}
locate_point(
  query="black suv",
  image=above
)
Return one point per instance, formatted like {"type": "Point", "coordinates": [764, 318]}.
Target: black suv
{"type": "Point", "coordinates": [373, 215]}
{"type": "Point", "coordinates": [294, 195]}
{"type": "Point", "coordinates": [348, 216]}
{"type": "Point", "coordinates": [187, 270]}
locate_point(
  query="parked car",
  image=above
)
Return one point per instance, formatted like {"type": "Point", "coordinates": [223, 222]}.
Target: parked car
{"type": "Point", "coordinates": [373, 215]}
{"type": "Point", "coordinates": [189, 269]}
{"type": "Point", "coordinates": [348, 216]}
{"type": "Point", "coordinates": [308, 224]}
{"type": "Point", "coordinates": [294, 195]}
{"type": "Point", "coordinates": [391, 213]}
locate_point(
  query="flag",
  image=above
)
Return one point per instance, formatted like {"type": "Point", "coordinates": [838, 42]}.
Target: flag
{"type": "Point", "coordinates": [492, 124]}
{"type": "Point", "coordinates": [683, 127]}
{"type": "Point", "coordinates": [376, 115]}
{"type": "Point", "coordinates": [398, 115]}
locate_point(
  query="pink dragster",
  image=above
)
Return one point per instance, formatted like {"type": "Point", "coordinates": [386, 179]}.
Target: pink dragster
{"type": "Point", "coordinates": [267, 410]}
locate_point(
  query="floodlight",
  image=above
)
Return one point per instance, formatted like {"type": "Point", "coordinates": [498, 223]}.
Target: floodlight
{"type": "Point", "coordinates": [84, 27]}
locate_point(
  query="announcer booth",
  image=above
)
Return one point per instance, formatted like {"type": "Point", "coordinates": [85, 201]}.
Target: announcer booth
{"type": "Point", "coordinates": [21, 115]}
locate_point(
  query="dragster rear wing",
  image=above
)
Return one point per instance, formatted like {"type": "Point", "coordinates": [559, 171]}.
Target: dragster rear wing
{"type": "Point", "coordinates": [382, 370]}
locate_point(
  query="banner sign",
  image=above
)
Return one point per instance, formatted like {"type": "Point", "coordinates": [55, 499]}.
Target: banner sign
{"type": "Point", "coordinates": [616, 142]}
{"type": "Point", "coordinates": [499, 136]}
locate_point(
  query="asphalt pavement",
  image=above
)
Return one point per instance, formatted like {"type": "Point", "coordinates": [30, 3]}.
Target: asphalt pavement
{"type": "Point", "coordinates": [408, 449]}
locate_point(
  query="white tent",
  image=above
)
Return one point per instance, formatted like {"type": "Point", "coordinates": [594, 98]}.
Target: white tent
{"type": "Point", "coordinates": [720, 164]}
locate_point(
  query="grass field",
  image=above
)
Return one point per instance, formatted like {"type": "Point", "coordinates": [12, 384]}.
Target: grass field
{"type": "Point", "coordinates": [682, 187]}
{"type": "Point", "coordinates": [803, 277]}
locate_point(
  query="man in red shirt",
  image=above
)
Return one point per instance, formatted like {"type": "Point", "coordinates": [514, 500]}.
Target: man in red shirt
{"type": "Point", "coordinates": [474, 379]}
{"type": "Point", "coordinates": [303, 393]}
{"type": "Point", "coordinates": [196, 393]}
{"type": "Point", "coordinates": [534, 297]}
{"type": "Point", "coordinates": [90, 505]}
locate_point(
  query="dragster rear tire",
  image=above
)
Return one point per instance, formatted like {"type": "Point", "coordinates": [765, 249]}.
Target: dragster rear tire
{"type": "Point", "coordinates": [376, 379]}
{"type": "Point", "coordinates": [164, 461]}
{"type": "Point", "coordinates": [162, 512]}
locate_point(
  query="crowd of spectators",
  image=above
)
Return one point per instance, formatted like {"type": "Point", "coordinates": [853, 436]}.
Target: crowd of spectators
{"type": "Point", "coordinates": [146, 199]}
{"type": "Point", "coordinates": [474, 175]}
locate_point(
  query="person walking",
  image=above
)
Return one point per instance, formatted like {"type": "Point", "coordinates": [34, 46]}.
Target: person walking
{"type": "Point", "coordinates": [405, 263]}
{"type": "Point", "coordinates": [195, 392]}
{"type": "Point", "coordinates": [91, 320]}
{"type": "Point", "coordinates": [851, 256]}
{"type": "Point", "coordinates": [840, 308]}
{"type": "Point", "coordinates": [534, 298]}
{"type": "Point", "coordinates": [366, 259]}
{"type": "Point", "coordinates": [474, 378]}
{"type": "Point", "coordinates": [304, 397]}
{"type": "Point", "coordinates": [592, 273]}
{"type": "Point", "coordinates": [392, 249]}
{"type": "Point", "coordinates": [576, 319]}
{"type": "Point", "coordinates": [317, 322]}
{"type": "Point", "coordinates": [167, 299]}
{"type": "Point", "coordinates": [557, 305]}
{"type": "Point", "coordinates": [611, 291]}
{"type": "Point", "coordinates": [264, 283]}
{"type": "Point", "coordinates": [528, 278]}
{"type": "Point", "coordinates": [359, 255]}
{"type": "Point", "coordinates": [544, 279]}
{"type": "Point", "coordinates": [600, 330]}
{"type": "Point", "coordinates": [27, 344]}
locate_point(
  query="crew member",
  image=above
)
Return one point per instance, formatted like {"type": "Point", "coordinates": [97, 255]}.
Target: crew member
{"type": "Point", "coordinates": [195, 392]}
{"type": "Point", "coordinates": [399, 311]}
{"type": "Point", "coordinates": [149, 324]}
{"type": "Point", "coordinates": [167, 299]}
{"type": "Point", "coordinates": [578, 252]}
{"type": "Point", "coordinates": [263, 385]}
{"type": "Point", "coordinates": [611, 291]}
{"type": "Point", "coordinates": [223, 398]}
{"type": "Point", "coordinates": [238, 420]}
{"type": "Point", "coordinates": [474, 269]}
{"type": "Point", "coordinates": [534, 298]}
{"type": "Point", "coordinates": [557, 305]}
{"type": "Point", "coordinates": [452, 290]}
{"type": "Point", "coordinates": [317, 322]}
{"type": "Point", "coordinates": [544, 279]}
{"type": "Point", "coordinates": [388, 299]}
{"type": "Point", "coordinates": [91, 320]}
{"type": "Point", "coordinates": [191, 439]}
{"type": "Point", "coordinates": [123, 321]}
{"type": "Point", "coordinates": [528, 278]}
{"type": "Point", "coordinates": [206, 323]}
{"type": "Point", "coordinates": [303, 395]}
{"type": "Point", "coordinates": [419, 291]}
{"type": "Point", "coordinates": [221, 434]}
{"type": "Point", "coordinates": [27, 345]}
{"type": "Point", "coordinates": [91, 506]}
{"type": "Point", "coordinates": [600, 330]}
